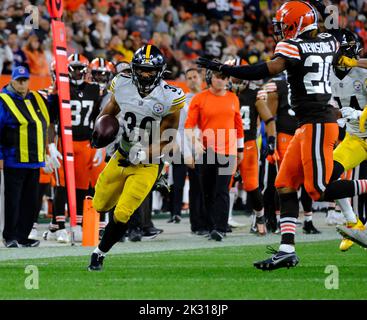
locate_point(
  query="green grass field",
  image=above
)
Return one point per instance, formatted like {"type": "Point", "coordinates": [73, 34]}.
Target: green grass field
{"type": "Point", "coordinates": [220, 273]}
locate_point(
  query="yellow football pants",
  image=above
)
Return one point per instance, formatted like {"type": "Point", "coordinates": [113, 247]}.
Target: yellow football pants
{"type": "Point", "coordinates": [351, 152]}
{"type": "Point", "coordinates": [123, 187]}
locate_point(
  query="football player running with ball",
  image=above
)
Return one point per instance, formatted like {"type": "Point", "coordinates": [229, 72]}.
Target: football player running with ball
{"type": "Point", "coordinates": [142, 102]}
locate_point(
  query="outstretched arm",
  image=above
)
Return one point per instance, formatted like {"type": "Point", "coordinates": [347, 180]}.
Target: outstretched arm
{"type": "Point", "coordinates": [257, 71]}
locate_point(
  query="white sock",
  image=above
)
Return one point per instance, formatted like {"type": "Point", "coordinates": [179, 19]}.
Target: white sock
{"type": "Point", "coordinates": [347, 210]}
{"type": "Point", "coordinates": [287, 248]}
{"type": "Point", "coordinates": [308, 217]}
{"type": "Point", "coordinates": [253, 220]}
{"type": "Point", "coordinates": [277, 216]}
{"type": "Point", "coordinates": [259, 214]}
{"type": "Point", "coordinates": [96, 250]}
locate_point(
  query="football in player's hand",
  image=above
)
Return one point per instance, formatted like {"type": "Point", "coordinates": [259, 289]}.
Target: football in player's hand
{"type": "Point", "coordinates": [105, 131]}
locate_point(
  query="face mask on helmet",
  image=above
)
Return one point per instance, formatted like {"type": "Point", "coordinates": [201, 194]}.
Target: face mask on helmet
{"type": "Point", "coordinates": [278, 33]}
{"type": "Point", "coordinates": [77, 74]}
{"type": "Point", "coordinates": [350, 46]}
{"type": "Point", "coordinates": [101, 77]}
{"type": "Point", "coordinates": [147, 68]}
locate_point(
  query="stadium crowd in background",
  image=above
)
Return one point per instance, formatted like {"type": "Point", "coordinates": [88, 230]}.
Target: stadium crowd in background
{"type": "Point", "coordinates": [183, 30]}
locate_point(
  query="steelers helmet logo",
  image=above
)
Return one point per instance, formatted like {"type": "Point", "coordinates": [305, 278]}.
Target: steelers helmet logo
{"type": "Point", "coordinates": [158, 109]}
{"type": "Point", "coordinates": [357, 85]}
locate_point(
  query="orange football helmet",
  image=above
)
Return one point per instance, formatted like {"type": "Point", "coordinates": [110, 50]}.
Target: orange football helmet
{"type": "Point", "coordinates": [78, 68]}
{"type": "Point", "coordinates": [294, 18]}
{"type": "Point", "coordinates": [102, 71]}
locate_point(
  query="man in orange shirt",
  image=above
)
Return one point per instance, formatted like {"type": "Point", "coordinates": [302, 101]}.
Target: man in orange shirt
{"type": "Point", "coordinates": [216, 112]}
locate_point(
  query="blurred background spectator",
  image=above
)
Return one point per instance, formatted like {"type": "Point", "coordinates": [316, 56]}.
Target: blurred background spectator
{"type": "Point", "coordinates": [6, 53]}
{"type": "Point", "coordinates": [183, 29]}
{"type": "Point", "coordinates": [36, 56]}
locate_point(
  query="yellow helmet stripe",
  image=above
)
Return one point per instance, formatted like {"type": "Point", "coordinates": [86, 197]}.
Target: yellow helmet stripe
{"type": "Point", "coordinates": [147, 53]}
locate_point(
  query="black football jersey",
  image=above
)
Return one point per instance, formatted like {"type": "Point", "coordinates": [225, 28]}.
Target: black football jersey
{"type": "Point", "coordinates": [285, 117]}
{"type": "Point", "coordinates": [84, 104]}
{"type": "Point", "coordinates": [309, 62]}
{"type": "Point", "coordinates": [248, 112]}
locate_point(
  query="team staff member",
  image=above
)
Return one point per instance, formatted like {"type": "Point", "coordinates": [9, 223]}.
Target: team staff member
{"type": "Point", "coordinates": [216, 113]}
{"type": "Point", "coordinates": [24, 121]}
{"type": "Point", "coordinates": [199, 219]}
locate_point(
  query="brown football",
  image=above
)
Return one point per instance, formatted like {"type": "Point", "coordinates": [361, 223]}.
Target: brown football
{"type": "Point", "coordinates": [105, 131]}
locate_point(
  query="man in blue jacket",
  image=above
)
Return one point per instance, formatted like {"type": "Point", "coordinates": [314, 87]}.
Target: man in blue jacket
{"type": "Point", "coordinates": [24, 121]}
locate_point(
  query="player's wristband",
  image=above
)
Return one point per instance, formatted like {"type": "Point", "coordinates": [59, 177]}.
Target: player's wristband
{"type": "Point", "coordinates": [257, 71]}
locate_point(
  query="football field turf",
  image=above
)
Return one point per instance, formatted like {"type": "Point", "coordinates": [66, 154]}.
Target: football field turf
{"type": "Point", "coordinates": [212, 273]}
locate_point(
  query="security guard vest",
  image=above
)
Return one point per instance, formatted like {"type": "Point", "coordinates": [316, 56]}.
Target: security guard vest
{"type": "Point", "coordinates": [29, 137]}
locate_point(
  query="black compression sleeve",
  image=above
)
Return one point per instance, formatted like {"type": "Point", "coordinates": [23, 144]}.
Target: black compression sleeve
{"type": "Point", "coordinates": [257, 71]}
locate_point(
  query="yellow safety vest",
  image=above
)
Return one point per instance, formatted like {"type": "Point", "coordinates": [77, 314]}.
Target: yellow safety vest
{"type": "Point", "coordinates": [34, 120]}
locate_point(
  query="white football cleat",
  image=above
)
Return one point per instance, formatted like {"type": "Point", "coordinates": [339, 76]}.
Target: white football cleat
{"type": "Point", "coordinates": [33, 234]}
{"type": "Point", "coordinates": [78, 234]}
{"type": "Point", "coordinates": [234, 224]}
{"type": "Point", "coordinates": [335, 218]}
{"type": "Point", "coordinates": [62, 236]}
{"type": "Point", "coordinates": [49, 236]}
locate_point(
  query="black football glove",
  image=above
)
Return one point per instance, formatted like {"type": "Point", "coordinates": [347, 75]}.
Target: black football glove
{"type": "Point", "coordinates": [209, 64]}
{"type": "Point", "coordinates": [270, 147]}
{"type": "Point", "coordinates": [124, 162]}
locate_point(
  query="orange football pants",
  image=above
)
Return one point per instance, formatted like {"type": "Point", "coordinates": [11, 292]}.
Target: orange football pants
{"type": "Point", "coordinates": [85, 173]}
{"type": "Point", "coordinates": [309, 159]}
{"type": "Point", "coordinates": [249, 166]}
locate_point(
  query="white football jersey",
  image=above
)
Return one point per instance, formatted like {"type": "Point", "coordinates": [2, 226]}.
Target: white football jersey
{"type": "Point", "coordinates": [351, 91]}
{"type": "Point", "coordinates": [139, 115]}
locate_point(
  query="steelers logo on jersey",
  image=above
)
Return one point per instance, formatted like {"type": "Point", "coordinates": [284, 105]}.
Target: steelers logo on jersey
{"type": "Point", "coordinates": [357, 85]}
{"type": "Point", "coordinates": [158, 109]}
